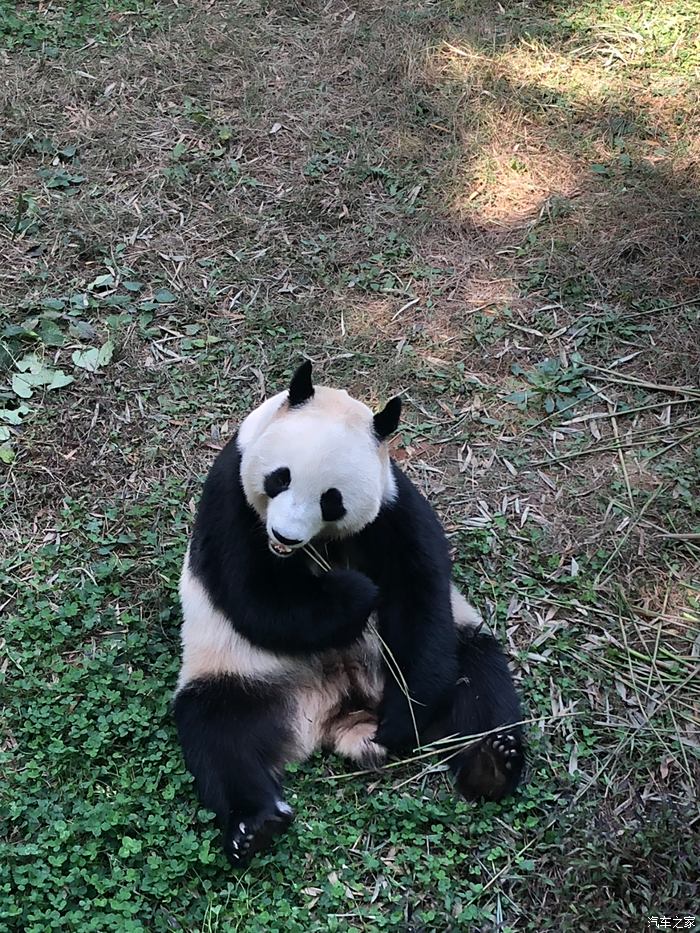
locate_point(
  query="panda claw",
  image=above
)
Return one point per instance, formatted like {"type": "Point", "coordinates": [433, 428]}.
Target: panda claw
{"type": "Point", "coordinates": [257, 832]}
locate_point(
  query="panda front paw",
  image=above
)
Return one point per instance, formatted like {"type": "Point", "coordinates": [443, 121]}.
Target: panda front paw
{"type": "Point", "coordinates": [353, 599]}
{"type": "Point", "coordinates": [249, 835]}
{"type": "Point", "coordinates": [397, 735]}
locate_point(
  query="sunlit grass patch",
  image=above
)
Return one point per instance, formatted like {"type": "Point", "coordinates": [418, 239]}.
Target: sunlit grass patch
{"type": "Point", "coordinates": [540, 117]}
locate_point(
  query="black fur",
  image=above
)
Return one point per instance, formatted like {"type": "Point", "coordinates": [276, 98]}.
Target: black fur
{"type": "Point", "coordinates": [459, 682]}
{"type": "Point", "coordinates": [386, 421]}
{"type": "Point", "coordinates": [483, 699]}
{"type": "Point", "coordinates": [301, 388]}
{"type": "Point", "coordinates": [404, 551]}
{"type": "Point", "coordinates": [332, 508]}
{"type": "Point", "coordinates": [236, 740]}
{"type": "Point", "coordinates": [277, 481]}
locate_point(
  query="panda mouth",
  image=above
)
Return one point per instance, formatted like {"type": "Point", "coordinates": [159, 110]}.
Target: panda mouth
{"type": "Point", "coordinates": [280, 550]}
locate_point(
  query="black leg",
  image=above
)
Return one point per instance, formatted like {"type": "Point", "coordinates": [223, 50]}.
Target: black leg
{"type": "Point", "coordinates": [485, 699]}
{"type": "Point", "coordinates": [236, 738]}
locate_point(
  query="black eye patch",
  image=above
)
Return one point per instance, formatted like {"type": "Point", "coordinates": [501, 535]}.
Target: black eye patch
{"type": "Point", "coordinates": [332, 508]}
{"type": "Point", "coordinates": [277, 481]}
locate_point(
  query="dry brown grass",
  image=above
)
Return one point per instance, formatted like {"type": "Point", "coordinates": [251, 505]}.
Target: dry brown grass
{"type": "Point", "coordinates": [504, 189]}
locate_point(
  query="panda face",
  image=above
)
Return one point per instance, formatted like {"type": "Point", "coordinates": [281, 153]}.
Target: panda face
{"type": "Point", "coordinates": [317, 471]}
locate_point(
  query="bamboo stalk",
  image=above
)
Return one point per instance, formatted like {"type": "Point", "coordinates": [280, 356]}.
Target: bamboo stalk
{"type": "Point", "coordinates": [613, 376]}
{"type": "Point", "coordinates": [628, 531]}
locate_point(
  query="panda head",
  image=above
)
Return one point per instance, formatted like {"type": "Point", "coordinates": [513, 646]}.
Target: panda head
{"type": "Point", "coordinates": [315, 463]}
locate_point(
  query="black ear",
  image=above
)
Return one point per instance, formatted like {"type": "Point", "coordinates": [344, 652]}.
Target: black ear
{"type": "Point", "coordinates": [387, 420]}
{"type": "Point", "coordinates": [301, 388]}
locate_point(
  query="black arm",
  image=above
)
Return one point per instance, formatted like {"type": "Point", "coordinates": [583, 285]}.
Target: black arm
{"type": "Point", "coordinates": [408, 544]}
{"type": "Point", "coordinates": [421, 638]}
{"type": "Point", "coordinates": [309, 614]}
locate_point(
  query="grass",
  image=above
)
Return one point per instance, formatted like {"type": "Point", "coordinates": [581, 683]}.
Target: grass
{"type": "Point", "coordinates": [492, 208]}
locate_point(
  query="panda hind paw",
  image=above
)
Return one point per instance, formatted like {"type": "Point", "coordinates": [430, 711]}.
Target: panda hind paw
{"type": "Point", "coordinates": [252, 834]}
{"type": "Point", "coordinates": [492, 769]}
{"type": "Point", "coordinates": [506, 746]}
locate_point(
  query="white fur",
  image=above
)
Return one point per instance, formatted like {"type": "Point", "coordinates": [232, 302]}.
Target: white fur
{"type": "Point", "coordinates": [256, 422]}
{"type": "Point", "coordinates": [465, 615]}
{"type": "Point", "coordinates": [323, 685]}
{"type": "Point", "coordinates": [326, 443]}
{"type": "Point", "coordinates": [210, 644]}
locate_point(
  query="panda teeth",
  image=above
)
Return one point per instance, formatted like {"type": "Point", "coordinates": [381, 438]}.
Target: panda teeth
{"type": "Point", "coordinates": [281, 550]}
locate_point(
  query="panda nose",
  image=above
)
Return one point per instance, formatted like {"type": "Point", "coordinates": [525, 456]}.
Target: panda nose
{"type": "Point", "coordinates": [290, 542]}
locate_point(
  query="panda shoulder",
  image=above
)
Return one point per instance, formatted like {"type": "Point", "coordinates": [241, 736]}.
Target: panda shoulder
{"type": "Point", "coordinates": [409, 515]}
{"type": "Point", "coordinates": [405, 492]}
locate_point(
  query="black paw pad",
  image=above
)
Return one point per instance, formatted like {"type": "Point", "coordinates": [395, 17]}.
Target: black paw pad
{"type": "Point", "coordinates": [491, 770]}
{"type": "Point", "coordinates": [506, 746]}
{"type": "Point", "coordinates": [251, 834]}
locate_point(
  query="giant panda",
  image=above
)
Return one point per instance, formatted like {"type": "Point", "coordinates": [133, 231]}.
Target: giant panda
{"type": "Point", "coordinates": [319, 612]}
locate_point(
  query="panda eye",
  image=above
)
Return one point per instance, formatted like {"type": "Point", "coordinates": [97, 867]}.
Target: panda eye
{"type": "Point", "coordinates": [332, 508]}
{"type": "Point", "coordinates": [277, 481]}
